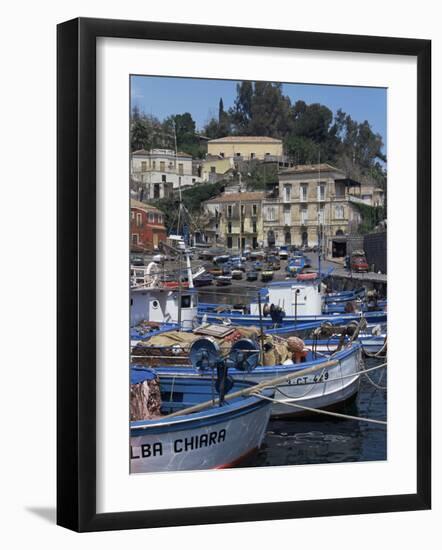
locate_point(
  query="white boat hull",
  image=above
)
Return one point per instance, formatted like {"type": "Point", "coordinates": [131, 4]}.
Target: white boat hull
{"type": "Point", "coordinates": [219, 445]}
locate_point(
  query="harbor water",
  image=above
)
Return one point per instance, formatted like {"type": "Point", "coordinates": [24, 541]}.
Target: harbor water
{"type": "Point", "coordinates": [319, 438]}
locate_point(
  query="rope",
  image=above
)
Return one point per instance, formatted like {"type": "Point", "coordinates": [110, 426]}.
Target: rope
{"type": "Point", "coordinates": [378, 353]}
{"type": "Point", "coordinates": [320, 411]}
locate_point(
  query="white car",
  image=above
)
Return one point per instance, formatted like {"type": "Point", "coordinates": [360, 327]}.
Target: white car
{"type": "Point", "coordinates": [159, 258]}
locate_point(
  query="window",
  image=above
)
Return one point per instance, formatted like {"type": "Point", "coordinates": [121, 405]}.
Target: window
{"type": "Point", "coordinates": [321, 192]}
{"type": "Point", "coordinates": [242, 227]}
{"type": "Point", "coordinates": [154, 164]}
{"type": "Point", "coordinates": [303, 193]}
{"type": "Point", "coordinates": [254, 209]}
{"type": "Point", "coordinates": [143, 166]}
{"type": "Point", "coordinates": [287, 214]}
{"type": "Point", "coordinates": [151, 217]}
{"type": "Point", "coordinates": [213, 169]}
{"type": "Point", "coordinates": [138, 218]}
{"type": "Point", "coordinates": [135, 238]}
{"type": "Point", "coordinates": [243, 210]}
{"type": "Point", "coordinates": [162, 166]}
{"type": "Point", "coordinates": [287, 192]}
{"type": "Point", "coordinates": [304, 215]}
{"type": "Point", "coordinates": [163, 178]}
{"type": "Point", "coordinates": [132, 215]}
{"type": "Point", "coordinates": [270, 214]}
{"type": "Point", "coordinates": [252, 155]}
{"type": "Point", "coordinates": [339, 212]}
{"type": "Point", "coordinates": [229, 211]}
{"type": "Point", "coordinates": [254, 227]}
{"type": "Point", "coordinates": [186, 301]}
{"type": "Point", "coordinates": [180, 168]}
{"type": "Point", "coordinates": [229, 227]}
{"type": "Point", "coordinates": [160, 218]}
{"type": "Point", "coordinates": [321, 214]}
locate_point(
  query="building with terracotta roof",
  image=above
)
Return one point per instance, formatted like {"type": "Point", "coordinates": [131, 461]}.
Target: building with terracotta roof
{"type": "Point", "coordinates": [235, 219]}
{"type": "Point", "coordinates": [161, 171]}
{"type": "Point", "coordinates": [246, 147]}
{"type": "Point", "coordinates": [147, 229]}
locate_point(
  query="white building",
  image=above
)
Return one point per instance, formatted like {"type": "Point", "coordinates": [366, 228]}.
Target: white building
{"type": "Point", "coordinates": [162, 171]}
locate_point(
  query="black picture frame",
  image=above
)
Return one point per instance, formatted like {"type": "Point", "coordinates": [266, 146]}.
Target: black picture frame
{"type": "Point", "coordinates": [76, 273]}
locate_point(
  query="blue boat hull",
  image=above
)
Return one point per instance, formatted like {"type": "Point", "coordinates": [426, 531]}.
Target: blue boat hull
{"type": "Point", "coordinates": [239, 318]}
{"type": "Point", "coordinates": [219, 437]}
{"type": "Point", "coordinates": [324, 388]}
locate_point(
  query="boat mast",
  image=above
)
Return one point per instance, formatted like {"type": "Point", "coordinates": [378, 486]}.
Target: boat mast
{"type": "Point", "coordinates": [319, 217]}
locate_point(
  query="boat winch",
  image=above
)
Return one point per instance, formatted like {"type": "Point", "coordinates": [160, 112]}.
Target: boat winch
{"type": "Point", "coordinates": [205, 354]}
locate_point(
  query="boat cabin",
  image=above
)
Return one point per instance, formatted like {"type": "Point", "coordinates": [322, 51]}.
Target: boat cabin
{"type": "Point", "coordinates": [295, 297]}
{"type": "Point", "coordinates": [162, 305]}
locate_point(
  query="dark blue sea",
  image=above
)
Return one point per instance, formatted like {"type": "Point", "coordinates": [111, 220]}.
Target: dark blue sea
{"type": "Point", "coordinates": [322, 439]}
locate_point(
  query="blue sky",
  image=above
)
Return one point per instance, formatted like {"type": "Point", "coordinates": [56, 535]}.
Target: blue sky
{"type": "Point", "coordinates": [164, 96]}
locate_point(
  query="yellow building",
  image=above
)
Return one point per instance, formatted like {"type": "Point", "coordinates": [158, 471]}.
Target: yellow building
{"type": "Point", "coordinates": [215, 166]}
{"type": "Point", "coordinates": [235, 219]}
{"type": "Point", "coordinates": [246, 147]}
{"type": "Point", "coordinates": [310, 199]}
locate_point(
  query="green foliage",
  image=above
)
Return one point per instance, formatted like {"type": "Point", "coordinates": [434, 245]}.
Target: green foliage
{"type": "Point", "coordinates": [192, 199]}
{"type": "Point", "coordinates": [310, 133]}
{"type": "Point", "coordinates": [371, 216]}
{"type": "Point", "coordinates": [260, 176]}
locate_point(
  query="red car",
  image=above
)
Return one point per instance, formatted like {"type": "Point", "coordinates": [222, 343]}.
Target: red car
{"type": "Point", "coordinates": [359, 263]}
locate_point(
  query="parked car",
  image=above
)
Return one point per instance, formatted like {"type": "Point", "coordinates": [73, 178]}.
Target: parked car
{"type": "Point", "coordinates": [137, 261]}
{"type": "Point", "coordinates": [359, 264]}
{"type": "Point", "coordinates": [274, 262]}
{"type": "Point", "coordinates": [283, 252]}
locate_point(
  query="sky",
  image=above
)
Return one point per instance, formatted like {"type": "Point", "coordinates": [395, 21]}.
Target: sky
{"type": "Point", "coordinates": [164, 96]}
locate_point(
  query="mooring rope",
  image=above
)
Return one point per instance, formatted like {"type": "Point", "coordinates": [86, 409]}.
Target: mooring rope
{"type": "Point", "coordinates": [378, 353]}
{"type": "Point", "coordinates": [320, 411]}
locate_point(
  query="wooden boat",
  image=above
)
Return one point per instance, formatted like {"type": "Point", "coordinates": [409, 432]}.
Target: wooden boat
{"type": "Point", "coordinates": [333, 377]}
{"type": "Point", "coordinates": [215, 437]}
{"type": "Point", "coordinates": [344, 295]}
{"type": "Point", "coordinates": [237, 274]}
{"type": "Point", "coordinates": [266, 275]}
{"type": "Point", "coordinates": [223, 280]}
{"type": "Point", "coordinates": [295, 266]}
{"type": "Point", "coordinates": [252, 276]}
{"type": "Point", "coordinates": [205, 279]}
{"type": "Point", "coordinates": [301, 301]}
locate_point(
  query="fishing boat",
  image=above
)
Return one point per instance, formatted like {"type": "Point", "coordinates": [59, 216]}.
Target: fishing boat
{"type": "Point", "coordinates": [223, 280]}
{"type": "Point", "coordinates": [220, 435]}
{"type": "Point", "coordinates": [326, 379]}
{"type": "Point", "coordinates": [252, 276]}
{"type": "Point", "coordinates": [266, 275]}
{"type": "Point", "coordinates": [237, 274]}
{"type": "Point", "coordinates": [205, 279]}
{"type": "Point", "coordinates": [291, 302]}
{"type": "Point", "coordinates": [344, 296]}
{"type": "Point", "coordinates": [295, 266]}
